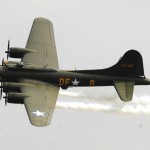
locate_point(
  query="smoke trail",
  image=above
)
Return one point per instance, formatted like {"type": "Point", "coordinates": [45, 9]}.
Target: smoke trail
{"type": "Point", "coordinates": [86, 101]}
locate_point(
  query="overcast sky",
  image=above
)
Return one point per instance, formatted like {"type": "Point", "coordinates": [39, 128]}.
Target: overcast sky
{"type": "Point", "coordinates": [89, 34]}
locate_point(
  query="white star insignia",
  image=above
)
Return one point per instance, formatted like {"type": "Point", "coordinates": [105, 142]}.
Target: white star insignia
{"type": "Point", "coordinates": [38, 113]}
{"type": "Point", "coordinates": [75, 82]}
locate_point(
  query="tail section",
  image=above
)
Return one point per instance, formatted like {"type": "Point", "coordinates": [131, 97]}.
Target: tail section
{"type": "Point", "coordinates": [130, 65]}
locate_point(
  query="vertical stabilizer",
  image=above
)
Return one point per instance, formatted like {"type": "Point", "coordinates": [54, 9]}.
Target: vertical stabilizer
{"type": "Point", "coordinates": [130, 65]}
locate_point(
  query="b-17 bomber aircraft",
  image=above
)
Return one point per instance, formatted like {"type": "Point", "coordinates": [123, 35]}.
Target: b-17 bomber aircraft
{"type": "Point", "coordinates": [36, 79]}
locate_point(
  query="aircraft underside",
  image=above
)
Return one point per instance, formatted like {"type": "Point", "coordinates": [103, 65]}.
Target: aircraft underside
{"type": "Point", "coordinates": [35, 80]}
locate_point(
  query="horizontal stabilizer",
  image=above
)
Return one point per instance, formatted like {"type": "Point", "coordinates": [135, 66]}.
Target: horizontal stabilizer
{"type": "Point", "coordinates": [124, 90]}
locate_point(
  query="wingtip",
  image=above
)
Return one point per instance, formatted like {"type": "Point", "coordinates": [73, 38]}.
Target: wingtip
{"type": "Point", "coordinates": [41, 19]}
{"type": "Point", "coordinates": [39, 124]}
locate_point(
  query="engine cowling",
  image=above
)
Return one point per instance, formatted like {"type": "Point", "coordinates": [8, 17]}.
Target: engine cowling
{"type": "Point", "coordinates": [16, 52]}
{"type": "Point", "coordinates": [15, 98]}
{"type": "Point", "coordinates": [11, 86]}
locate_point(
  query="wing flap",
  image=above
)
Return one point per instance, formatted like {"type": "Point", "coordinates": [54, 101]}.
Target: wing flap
{"type": "Point", "coordinates": [124, 89]}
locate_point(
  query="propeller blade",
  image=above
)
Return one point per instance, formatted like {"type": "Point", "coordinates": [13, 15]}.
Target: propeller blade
{"type": "Point", "coordinates": [6, 98]}
{"type": "Point", "coordinates": [1, 92]}
{"type": "Point", "coordinates": [8, 49]}
{"type": "Point", "coordinates": [8, 45]}
{"type": "Point", "coordinates": [5, 101]}
{"type": "Point", "coordinates": [1, 87]}
{"type": "Point", "coordinates": [3, 62]}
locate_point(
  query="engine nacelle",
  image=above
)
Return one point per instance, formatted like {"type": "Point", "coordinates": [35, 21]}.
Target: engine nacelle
{"type": "Point", "coordinates": [16, 98]}
{"type": "Point", "coordinates": [11, 86]}
{"type": "Point", "coordinates": [16, 52]}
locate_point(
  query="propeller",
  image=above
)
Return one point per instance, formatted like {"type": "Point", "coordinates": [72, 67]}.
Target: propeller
{"type": "Point", "coordinates": [1, 90]}
{"type": "Point", "coordinates": [8, 53]}
{"type": "Point", "coordinates": [8, 49]}
{"type": "Point", "coordinates": [1, 87]}
{"type": "Point", "coordinates": [6, 99]}
{"type": "Point", "coordinates": [2, 62]}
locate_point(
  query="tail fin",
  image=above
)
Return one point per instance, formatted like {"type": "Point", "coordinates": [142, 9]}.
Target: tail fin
{"type": "Point", "coordinates": [130, 65]}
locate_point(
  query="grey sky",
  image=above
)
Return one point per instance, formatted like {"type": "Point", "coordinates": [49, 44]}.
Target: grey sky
{"type": "Point", "coordinates": [89, 34]}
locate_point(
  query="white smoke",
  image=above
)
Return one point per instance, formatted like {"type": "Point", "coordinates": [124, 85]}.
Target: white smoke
{"type": "Point", "coordinates": [86, 101]}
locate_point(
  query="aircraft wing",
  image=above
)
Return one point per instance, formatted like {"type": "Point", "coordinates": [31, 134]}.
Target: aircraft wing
{"type": "Point", "coordinates": [40, 101]}
{"type": "Point", "coordinates": [41, 41]}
